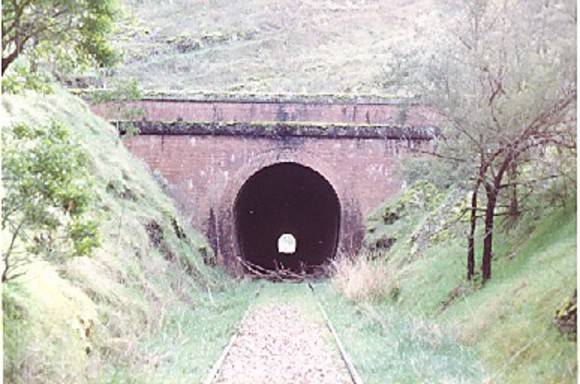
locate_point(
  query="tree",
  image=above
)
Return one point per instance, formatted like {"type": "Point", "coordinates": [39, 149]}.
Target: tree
{"type": "Point", "coordinates": [47, 195]}
{"type": "Point", "coordinates": [502, 77]}
{"type": "Point", "coordinates": [70, 31]}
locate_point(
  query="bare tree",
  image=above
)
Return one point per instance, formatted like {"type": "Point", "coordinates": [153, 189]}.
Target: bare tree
{"type": "Point", "coordinates": [502, 76]}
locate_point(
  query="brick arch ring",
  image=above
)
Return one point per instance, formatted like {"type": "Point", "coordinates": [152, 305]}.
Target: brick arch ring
{"type": "Point", "coordinates": [351, 231]}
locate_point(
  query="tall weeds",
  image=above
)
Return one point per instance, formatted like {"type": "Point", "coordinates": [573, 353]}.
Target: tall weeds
{"type": "Point", "coordinates": [363, 278]}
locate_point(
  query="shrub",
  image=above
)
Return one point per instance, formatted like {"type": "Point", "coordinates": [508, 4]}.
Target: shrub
{"type": "Point", "coordinates": [22, 78]}
{"type": "Point", "coordinates": [47, 195]}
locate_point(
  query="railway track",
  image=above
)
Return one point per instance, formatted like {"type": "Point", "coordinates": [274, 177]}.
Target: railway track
{"type": "Point", "coordinates": [215, 370]}
{"type": "Point", "coordinates": [354, 377]}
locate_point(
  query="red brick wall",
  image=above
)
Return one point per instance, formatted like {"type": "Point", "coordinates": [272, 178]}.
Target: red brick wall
{"type": "Point", "coordinates": [348, 113]}
{"type": "Point", "coordinates": [205, 174]}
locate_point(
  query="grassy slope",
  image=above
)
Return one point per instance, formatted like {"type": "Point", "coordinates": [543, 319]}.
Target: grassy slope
{"type": "Point", "coordinates": [390, 345]}
{"type": "Point", "coordinates": [510, 319]}
{"type": "Point", "coordinates": [288, 46]}
{"type": "Point", "coordinates": [137, 312]}
{"type": "Point", "coordinates": [508, 322]}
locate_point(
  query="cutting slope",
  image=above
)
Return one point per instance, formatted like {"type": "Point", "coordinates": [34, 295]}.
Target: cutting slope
{"type": "Point", "coordinates": [120, 315]}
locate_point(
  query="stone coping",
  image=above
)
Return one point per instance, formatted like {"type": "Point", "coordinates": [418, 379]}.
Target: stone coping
{"type": "Point", "coordinates": [280, 130]}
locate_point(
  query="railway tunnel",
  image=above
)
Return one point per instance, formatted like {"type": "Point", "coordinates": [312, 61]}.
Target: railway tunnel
{"type": "Point", "coordinates": [287, 216]}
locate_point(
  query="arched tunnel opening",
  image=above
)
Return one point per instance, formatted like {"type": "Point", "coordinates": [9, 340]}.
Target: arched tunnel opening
{"type": "Point", "coordinates": [287, 217]}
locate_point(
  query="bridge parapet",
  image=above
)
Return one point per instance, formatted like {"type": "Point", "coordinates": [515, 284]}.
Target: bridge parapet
{"type": "Point", "coordinates": [306, 109]}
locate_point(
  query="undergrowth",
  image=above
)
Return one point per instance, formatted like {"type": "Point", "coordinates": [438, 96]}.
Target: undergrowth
{"type": "Point", "coordinates": [361, 278]}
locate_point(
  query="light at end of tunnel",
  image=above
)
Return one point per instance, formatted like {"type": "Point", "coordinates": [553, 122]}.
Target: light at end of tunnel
{"type": "Point", "coordinates": [287, 244]}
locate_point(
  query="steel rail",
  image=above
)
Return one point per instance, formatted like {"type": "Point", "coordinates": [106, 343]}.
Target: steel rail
{"type": "Point", "coordinates": [356, 379]}
{"type": "Point", "coordinates": [215, 370]}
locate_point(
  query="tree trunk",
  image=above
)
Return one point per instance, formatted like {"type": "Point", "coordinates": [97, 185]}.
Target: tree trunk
{"type": "Point", "coordinates": [492, 192]}
{"type": "Point", "coordinates": [6, 61]}
{"type": "Point", "coordinates": [471, 236]}
{"type": "Point", "coordinates": [514, 207]}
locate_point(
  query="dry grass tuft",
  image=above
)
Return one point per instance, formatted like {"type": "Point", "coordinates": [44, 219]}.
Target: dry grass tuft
{"type": "Point", "coordinates": [363, 278]}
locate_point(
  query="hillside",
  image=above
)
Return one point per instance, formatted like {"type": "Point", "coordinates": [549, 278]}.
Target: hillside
{"type": "Point", "coordinates": [116, 315]}
{"type": "Point", "coordinates": [307, 46]}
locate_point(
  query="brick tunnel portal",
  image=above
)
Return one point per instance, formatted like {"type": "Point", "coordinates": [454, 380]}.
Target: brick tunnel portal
{"type": "Point", "coordinates": [287, 202]}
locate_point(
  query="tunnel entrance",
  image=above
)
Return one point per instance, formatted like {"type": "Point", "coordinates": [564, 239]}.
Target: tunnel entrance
{"type": "Point", "coordinates": [291, 203]}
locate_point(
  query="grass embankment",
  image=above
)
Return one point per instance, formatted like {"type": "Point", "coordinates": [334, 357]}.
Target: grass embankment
{"type": "Point", "coordinates": [508, 323]}
{"type": "Point", "coordinates": [145, 307]}
{"type": "Point", "coordinates": [388, 345]}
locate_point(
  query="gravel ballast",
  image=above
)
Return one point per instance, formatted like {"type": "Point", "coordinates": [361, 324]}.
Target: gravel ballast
{"type": "Point", "coordinates": [280, 344]}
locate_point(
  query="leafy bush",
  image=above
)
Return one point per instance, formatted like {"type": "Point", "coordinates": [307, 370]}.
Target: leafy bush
{"type": "Point", "coordinates": [120, 90]}
{"type": "Point", "coordinates": [47, 195]}
{"type": "Point", "coordinates": [21, 78]}
{"type": "Point", "coordinates": [70, 33]}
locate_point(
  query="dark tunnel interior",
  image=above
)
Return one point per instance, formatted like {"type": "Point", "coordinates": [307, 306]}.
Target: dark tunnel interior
{"type": "Point", "coordinates": [287, 198]}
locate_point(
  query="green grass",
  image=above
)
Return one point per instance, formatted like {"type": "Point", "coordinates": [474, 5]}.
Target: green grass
{"type": "Point", "coordinates": [194, 337]}
{"type": "Point", "coordinates": [510, 319]}
{"type": "Point", "coordinates": [390, 345]}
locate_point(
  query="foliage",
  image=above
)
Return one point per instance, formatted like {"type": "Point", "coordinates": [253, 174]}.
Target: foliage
{"type": "Point", "coordinates": [443, 223]}
{"type": "Point", "coordinates": [21, 78]}
{"type": "Point", "coordinates": [67, 32]}
{"type": "Point", "coordinates": [441, 174]}
{"type": "Point", "coordinates": [422, 195]}
{"type": "Point", "coordinates": [120, 90]}
{"type": "Point", "coordinates": [47, 183]}
{"type": "Point", "coordinates": [566, 318]}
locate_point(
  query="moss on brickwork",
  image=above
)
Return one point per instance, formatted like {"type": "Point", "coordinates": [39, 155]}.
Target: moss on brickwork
{"type": "Point", "coordinates": [278, 129]}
